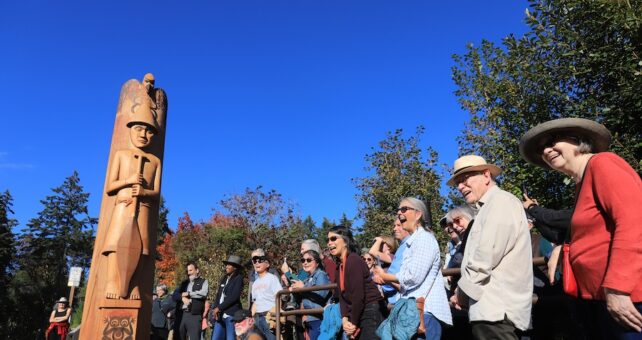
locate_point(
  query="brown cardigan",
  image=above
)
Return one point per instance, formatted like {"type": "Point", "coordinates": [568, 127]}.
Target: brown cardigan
{"type": "Point", "coordinates": [359, 288]}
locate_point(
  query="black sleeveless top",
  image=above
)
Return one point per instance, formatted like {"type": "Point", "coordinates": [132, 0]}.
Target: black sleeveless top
{"type": "Point", "coordinates": [58, 314]}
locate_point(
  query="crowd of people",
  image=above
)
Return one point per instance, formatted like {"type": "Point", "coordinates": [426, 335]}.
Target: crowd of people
{"type": "Point", "coordinates": [395, 288]}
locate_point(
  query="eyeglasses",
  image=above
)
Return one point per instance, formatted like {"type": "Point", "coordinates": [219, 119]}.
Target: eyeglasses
{"type": "Point", "coordinates": [333, 238]}
{"type": "Point", "coordinates": [258, 259]}
{"type": "Point", "coordinates": [464, 178]}
{"type": "Point", "coordinates": [449, 225]}
{"type": "Point", "coordinates": [306, 260]}
{"type": "Point", "coordinates": [404, 209]}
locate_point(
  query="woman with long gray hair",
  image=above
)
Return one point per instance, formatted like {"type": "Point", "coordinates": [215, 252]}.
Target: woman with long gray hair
{"type": "Point", "coordinates": [420, 274]}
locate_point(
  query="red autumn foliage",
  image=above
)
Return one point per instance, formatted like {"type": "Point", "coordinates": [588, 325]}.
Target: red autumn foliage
{"type": "Point", "coordinates": [185, 223]}
{"type": "Point", "coordinates": [218, 220]}
{"type": "Point", "coordinates": [167, 265]}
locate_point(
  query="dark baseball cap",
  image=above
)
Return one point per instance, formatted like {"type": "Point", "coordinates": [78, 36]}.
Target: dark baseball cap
{"type": "Point", "coordinates": [241, 315]}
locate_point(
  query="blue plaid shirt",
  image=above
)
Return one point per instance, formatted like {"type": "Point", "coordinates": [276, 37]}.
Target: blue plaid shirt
{"type": "Point", "coordinates": [420, 274]}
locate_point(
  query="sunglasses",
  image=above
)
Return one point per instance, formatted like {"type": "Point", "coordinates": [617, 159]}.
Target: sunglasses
{"type": "Point", "coordinates": [333, 238]}
{"type": "Point", "coordinates": [306, 260]}
{"type": "Point", "coordinates": [550, 142]}
{"type": "Point", "coordinates": [258, 259]}
{"type": "Point", "coordinates": [404, 209]}
{"type": "Point", "coordinates": [367, 259]}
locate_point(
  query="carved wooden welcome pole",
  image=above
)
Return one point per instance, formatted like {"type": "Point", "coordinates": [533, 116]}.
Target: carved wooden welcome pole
{"type": "Point", "coordinates": [118, 298]}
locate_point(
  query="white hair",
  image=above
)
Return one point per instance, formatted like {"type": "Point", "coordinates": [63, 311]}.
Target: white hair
{"type": "Point", "coordinates": [312, 244]}
{"type": "Point", "coordinates": [163, 287]}
{"type": "Point", "coordinates": [258, 252]}
{"type": "Point", "coordinates": [463, 210]}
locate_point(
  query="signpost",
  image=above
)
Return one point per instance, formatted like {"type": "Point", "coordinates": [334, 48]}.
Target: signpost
{"type": "Point", "coordinates": [74, 281]}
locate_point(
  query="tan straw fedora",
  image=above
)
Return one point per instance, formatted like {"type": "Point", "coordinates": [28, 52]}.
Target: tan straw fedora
{"type": "Point", "coordinates": [532, 142]}
{"type": "Point", "coordinates": [470, 163]}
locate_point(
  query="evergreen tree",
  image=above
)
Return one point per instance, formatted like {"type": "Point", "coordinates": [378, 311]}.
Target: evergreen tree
{"type": "Point", "coordinates": [345, 221]}
{"type": "Point", "coordinates": [322, 232]}
{"type": "Point", "coordinates": [61, 236]}
{"type": "Point", "coordinates": [310, 227]}
{"type": "Point", "coordinates": [7, 250]}
{"type": "Point", "coordinates": [163, 223]}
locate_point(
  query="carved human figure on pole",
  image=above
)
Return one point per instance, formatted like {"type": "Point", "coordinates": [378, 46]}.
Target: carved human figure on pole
{"type": "Point", "coordinates": [134, 177]}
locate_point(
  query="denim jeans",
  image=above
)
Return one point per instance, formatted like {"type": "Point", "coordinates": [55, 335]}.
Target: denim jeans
{"type": "Point", "coordinates": [314, 329]}
{"type": "Point", "coordinates": [224, 329]}
{"type": "Point", "coordinates": [433, 327]}
{"type": "Point", "coordinates": [262, 325]}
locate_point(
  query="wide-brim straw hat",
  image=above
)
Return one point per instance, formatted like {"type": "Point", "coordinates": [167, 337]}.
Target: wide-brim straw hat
{"type": "Point", "coordinates": [234, 260]}
{"type": "Point", "coordinates": [532, 142]}
{"type": "Point", "coordinates": [470, 163]}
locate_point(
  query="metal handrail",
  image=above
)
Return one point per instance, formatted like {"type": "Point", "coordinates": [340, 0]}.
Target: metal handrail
{"type": "Point", "coordinates": [537, 261]}
{"type": "Point", "coordinates": [299, 311]}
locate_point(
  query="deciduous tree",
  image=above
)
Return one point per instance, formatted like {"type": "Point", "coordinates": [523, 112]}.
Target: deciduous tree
{"type": "Point", "coordinates": [270, 221]}
{"type": "Point", "coordinates": [397, 168]}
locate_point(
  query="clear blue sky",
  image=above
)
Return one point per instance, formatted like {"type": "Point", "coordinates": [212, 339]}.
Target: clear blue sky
{"type": "Point", "coordinates": [290, 95]}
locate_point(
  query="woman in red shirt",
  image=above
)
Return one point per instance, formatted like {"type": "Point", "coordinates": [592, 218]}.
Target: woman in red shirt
{"type": "Point", "coordinates": [606, 234]}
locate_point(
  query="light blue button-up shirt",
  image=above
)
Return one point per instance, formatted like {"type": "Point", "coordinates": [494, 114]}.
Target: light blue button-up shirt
{"type": "Point", "coordinates": [388, 290]}
{"type": "Point", "coordinates": [420, 274]}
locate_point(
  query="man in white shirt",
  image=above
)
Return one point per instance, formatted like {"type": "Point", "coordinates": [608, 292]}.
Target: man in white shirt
{"type": "Point", "coordinates": [264, 291]}
{"type": "Point", "coordinates": [497, 269]}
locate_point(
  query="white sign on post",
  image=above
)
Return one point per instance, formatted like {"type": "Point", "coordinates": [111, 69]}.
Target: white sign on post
{"type": "Point", "coordinates": [74, 276]}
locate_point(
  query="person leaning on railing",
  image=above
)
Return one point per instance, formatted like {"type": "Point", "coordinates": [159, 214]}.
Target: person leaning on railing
{"type": "Point", "coordinates": [420, 274]}
{"type": "Point", "coordinates": [313, 265]}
